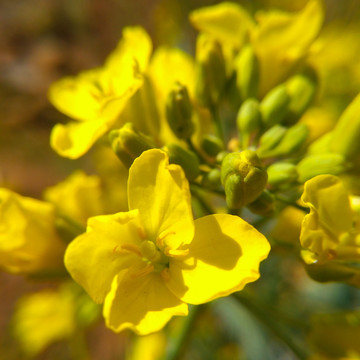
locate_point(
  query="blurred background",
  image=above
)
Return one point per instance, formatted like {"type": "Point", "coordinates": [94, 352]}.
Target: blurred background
{"type": "Point", "coordinates": [43, 40]}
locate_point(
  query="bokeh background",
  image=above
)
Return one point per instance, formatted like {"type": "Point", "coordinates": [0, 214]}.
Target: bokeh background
{"type": "Point", "coordinates": [43, 40]}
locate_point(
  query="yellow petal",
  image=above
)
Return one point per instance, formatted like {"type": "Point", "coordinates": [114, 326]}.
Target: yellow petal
{"type": "Point", "coordinates": [161, 194]}
{"type": "Point", "coordinates": [134, 49]}
{"type": "Point", "coordinates": [143, 304]}
{"type": "Point", "coordinates": [77, 97]}
{"type": "Point", "coordinates": [96, 257]}
{"type": "Point", "coordinates": [76, 138]}
{"type": "Point", "coordinates": [28, 240]}
{"type": "Point", "coordinates": [329, 204]}
{"type": "Point", "coordinates": [223, 257]}
{"type": "Point", "coordinates": [226, 22]}
{"type": "Point", "coordinates": [281, 40]}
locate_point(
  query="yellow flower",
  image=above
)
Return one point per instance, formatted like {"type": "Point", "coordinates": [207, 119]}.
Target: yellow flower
{"type": "Point", "coordinates": [146, 264]}
{"type": "Point", "coordinates": [43, 318]}
{"type": "Point", "coordinates": [95, 98]}
{"type": "Point", "coordinates": [78, 197]}
{"type": "Point", "coordinates": [28, 241]}
{"type": "Point", "coordinates": [331, 230]}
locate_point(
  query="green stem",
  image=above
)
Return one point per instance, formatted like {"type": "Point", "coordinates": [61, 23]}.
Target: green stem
{"type": "Point", "coordinates": [206, 208]}
{"type": "Point", "coordinates": [282, 333]}
{"type": "Point", "coordinates": [218, 126]}
{"type": "Point", "coordinates": [178, 343]}
{"type": "Point", "coordinates": [293, 204]}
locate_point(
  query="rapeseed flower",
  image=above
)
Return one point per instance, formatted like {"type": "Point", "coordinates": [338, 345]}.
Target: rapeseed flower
{"type": "Point", "coordinates": [148, 263]}
{"type": "Point", "coordinates": [331, 230]}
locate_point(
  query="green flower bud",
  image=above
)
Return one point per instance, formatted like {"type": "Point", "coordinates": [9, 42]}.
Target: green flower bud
{"type": "Point", "coordinates": [275, 106]}
{"type": "Point", "coordinates": [292, 141]}
{"type": "Point", "coordinates": [212, 179]}
{"type": "Point", "coordinates": [243, 178]}
{"type": "Point", "coordinates": [301, 89]}
{"type": "Point", "coordinates": [282, 174]}
{"type": "Point", "coordinates": [346, 134]}
{"type": "Point", "coordinates": [212, 145]}
{"type": "Point", "coordinates": [128, 143]}
{"type": "Point", "coordinates": [247, 71]}
{"type": "Point", "coordinates": [179, 112]}
{"type": "Point", "coordinates": [264, 205]}
{"type": "Point", "coordinates": [248, 121]}
{"type": "Point", "coordinates": [211, 71]}
{"type": "Point", "coordinates": [270, 139]}
{"type": "Point", "coordinates": [185, 158]}
{"type": "Point", "coordinates": [318, 164]}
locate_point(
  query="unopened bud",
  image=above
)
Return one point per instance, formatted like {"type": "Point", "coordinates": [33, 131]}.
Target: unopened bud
{"type": "Point", "coordinates": [270, 139]}
{"type": "Point", "coordinates": [248, 121]}
{"type": "Point", "coordinates": [301, 89]}
{"type": "Point", "coordinates": [282, 174]}
{"type": "Point", "coordinates": [185, 158]}
{"type": "Point", "coordinates": [346, 134]}
{"type": "Point", "coordinates": [212, 145]}
{"type": "Point", "coordinates": [264, 205]}
{"type": "Point", "coordinates": [243, 178]}
{"type": "Point", "coordinates": [179, 112]}
{"type": "Point", "coordinates": [274, 107]}
{"type": "Point", "coordinates": [247, 73]}
{"type": "Point", "coordinates": [211, 71]}
{"type": "Point", "coordinates": [128, 143]}
{"type": "Point", "coordinates": [292, 141]}
{"type": "Point", "coordinates": [318, 164]}
{"type": "Point", "coordinates": [212, 179]}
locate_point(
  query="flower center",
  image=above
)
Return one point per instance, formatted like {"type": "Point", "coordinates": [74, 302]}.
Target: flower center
{"type": "Point", "coordinates": [152, 255]}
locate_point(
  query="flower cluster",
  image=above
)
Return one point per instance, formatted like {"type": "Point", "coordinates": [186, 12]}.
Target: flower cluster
{"type": "Point", "coordinates": [202, 162]}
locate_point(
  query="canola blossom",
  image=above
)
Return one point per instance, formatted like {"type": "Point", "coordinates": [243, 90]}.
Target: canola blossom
{"type": "Point", "coordinates": [189, 156]}
{"type": "Point", "coordinates": [154, 259]}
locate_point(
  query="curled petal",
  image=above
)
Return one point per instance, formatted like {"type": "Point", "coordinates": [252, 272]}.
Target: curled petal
{"type": "Point", "coordinates": [109, 245]}
{"type": "Point", "coordinates": [143, 303]}
{"type": "Point", "coordinates": [161, 194]}
{"type": "Point", "coordinates": [223, 257]}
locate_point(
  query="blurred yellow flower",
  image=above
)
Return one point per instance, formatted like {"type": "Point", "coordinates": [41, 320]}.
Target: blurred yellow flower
{"type": "Point", "coordinates": [96, 97]}
{"type": "Point", "coordinates": [78, 197]}
{"type": "Point", "coordinates": [43, 318]}
{"type": "Point", "coordinates": [28, 241]}
{"type": "Point", "coordinates": [146, 264]}
{"type": "Point", "coordinates": [331, 230]}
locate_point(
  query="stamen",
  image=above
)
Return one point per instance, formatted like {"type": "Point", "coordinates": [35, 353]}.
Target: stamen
{"type": "Point", "coordinates": [176, 253]}
{"type": "Point", "coordinates": [160, 239]}
{"type": "Point", "coordinates": [129, 248]}
{"type": "Point", "coordinates": [165, 274]}
{"type": "Point", "coordinates": [144, 271]}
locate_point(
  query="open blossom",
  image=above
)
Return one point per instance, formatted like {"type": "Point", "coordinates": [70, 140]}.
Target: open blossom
{"type": "Point", "coordinates": [148, 263]}
{"type": "Point", "coordinates": [28, 239]}
{"type": "Point", "coordinates": [331, 230]}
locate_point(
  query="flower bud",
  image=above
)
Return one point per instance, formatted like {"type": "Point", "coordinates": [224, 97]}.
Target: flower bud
{"type": "Point", "coordinates": [346, 134]}
{"type": "Point", "coordinates": [301, 89]}
{"type": "Point", "coordinates": [319, 164]}
{"type": "Point", "coordinates": [212, 179]}
{"type": "Point", "coordinates": [128, 143]}
{"type": "Point", "coordinates": [264, 205]}
{"type": "Point", "coordinates": [292, 141]}
{"type": "Point", "coordinates": [282, 174]}
{"type": "Point", "coordinates": [212, 145]}
{"type": "Point", "coordinates": [247, 71]}
{"type": "Point", "coordinates": [248, 121]}
{"type": "Point", "coordinates": [275, 105]}
{"type": "Point", "coordinates": [270, 139]}
{"type": "Point", "coordinates": [185, 158]}
{"type": "Point", "coordinates": [211, 71]}
{"type": "Point", "coordinates": [243, 178]}
{"type": "Point", "coordinates": [179, 112]}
